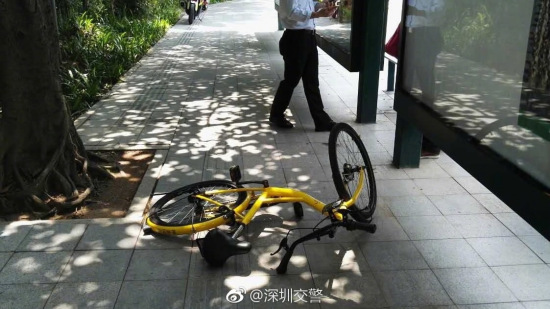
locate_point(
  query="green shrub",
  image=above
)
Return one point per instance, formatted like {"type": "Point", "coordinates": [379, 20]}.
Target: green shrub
{"type": "Point", "coordinates": [102, 39]}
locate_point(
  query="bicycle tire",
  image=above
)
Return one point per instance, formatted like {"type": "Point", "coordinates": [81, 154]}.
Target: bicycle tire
{"type": "Point", "coordinates": [176, 209]}
{"type": "Point", "coordinates": [191, 13]}
{"type": "Point", "coordinates": [345, 147]}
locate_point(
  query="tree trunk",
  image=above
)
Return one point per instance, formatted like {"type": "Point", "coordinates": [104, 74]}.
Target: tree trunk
{"type": "Point", "coordinates": [43, 160]}
{"type": "Point", "coordinates": [540, 75]}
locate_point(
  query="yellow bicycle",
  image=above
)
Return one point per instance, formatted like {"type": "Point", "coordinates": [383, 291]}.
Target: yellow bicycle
{"type": "Point", "coordinates": [206, 205]}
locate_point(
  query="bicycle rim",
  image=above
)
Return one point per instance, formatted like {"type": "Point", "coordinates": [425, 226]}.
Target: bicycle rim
{"type": "Point", "coordinates": [179, 208]}
{"type": "Point", "coordinates": [346, 150]}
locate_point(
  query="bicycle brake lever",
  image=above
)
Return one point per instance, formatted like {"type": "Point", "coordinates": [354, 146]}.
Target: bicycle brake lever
{"type": "Point", "coordinates": [283, 244]}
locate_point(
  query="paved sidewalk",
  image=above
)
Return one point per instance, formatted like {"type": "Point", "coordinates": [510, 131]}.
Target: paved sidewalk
{"type": "Point", "coordinates": [201, 98]}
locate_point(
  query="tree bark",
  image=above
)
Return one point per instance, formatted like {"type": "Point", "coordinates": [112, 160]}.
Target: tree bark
{"type": "Point", "coordinates": [43, 160]}
{"type": "Point", "coordinates": [540, 75]}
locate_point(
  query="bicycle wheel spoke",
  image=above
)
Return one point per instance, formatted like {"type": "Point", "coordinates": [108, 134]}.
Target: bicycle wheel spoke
{"type": "Point", "coordinates": [177, 209]}
{"type": "Point", "coordinates": [346, 153]}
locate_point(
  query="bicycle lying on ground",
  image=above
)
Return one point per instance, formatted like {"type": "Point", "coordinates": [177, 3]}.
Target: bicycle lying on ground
{"type": "Point", "coordinates": [209, 204]}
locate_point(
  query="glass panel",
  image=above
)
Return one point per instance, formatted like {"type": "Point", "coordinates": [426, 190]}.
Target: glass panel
{"type": "Point", "coordinates": [337, 29]}
{"type": "Point", "coordinates": [483, 65]}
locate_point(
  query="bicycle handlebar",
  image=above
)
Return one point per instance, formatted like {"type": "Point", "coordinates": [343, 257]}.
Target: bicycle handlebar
{"type": "Point", "coordinates": [349, 225]}
{"type": "Point", "coordinates": [356, 225]}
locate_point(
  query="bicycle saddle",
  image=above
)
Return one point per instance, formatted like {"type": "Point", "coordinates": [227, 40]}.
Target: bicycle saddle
{"type": "Point", "coordinates": [216, 247]}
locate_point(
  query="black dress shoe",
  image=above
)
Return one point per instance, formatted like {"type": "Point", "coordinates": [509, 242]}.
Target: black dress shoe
{"type": "Point", "coordinates": [281, 122]}
{"type": "Point", "coordinates": [325, 128]}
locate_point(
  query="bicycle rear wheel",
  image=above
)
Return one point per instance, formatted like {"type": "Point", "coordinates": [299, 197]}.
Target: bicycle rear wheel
{"type": "Point", "coordinates": [191, 13]}
{"type": "Point", "coordinates": [346, 151]}
{"type": "Point", "coordinates": [179, 208]}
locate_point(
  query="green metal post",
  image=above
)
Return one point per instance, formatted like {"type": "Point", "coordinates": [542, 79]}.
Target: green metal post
{"type": "Point", "coordinates": [407, 145]}
{"type": "Point", "coordinates": [369, 72]}
{"type": "Point", "coordinates": [391, 76]}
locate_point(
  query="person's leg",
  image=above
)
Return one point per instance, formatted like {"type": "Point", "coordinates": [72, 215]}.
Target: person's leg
{"type": "Point", "coordinates": [429, 149]}
{"type": "Point", "coordinates": [310, 79]}
{"type": "Point", "coordinates": [431, 40]}
{"type": "Point", "coordinates": [292, 74]}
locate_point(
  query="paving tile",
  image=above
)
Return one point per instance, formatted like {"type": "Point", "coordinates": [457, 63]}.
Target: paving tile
{"type": "Point", "coordinates": [515, 305]}
{"type": "Point", "coordinates": [428, 227]}
{"type": "Point", "coordinates": [334, 258]}
{"type": "Point", "coordinates": [539, 245]}
{"type": "Point", "coordinates": [472, 185]}
{"type": "Point", "coordinates": [380, 158]}
{"type": "Point", "coordinates": [439, 186]}
{"type": "Point", "coordinates": [152, 294]}
{"type": "Point", "coordinates": [291, 137]}
{"type": "Point", "coordinates": [411, 206]}
{"type": "Point", "coordinates": [457, 204]}
{"type": "Point", "coordinates": [157, 241]}
{"type": "Point", "coordinates": [350, 291]}
{"type": "Point", "coordinates": [397, 187]}
{"type": "Point", "coordinates": [4, 257]}
{"type": "Point", "coordinates": [97, 265]}
{"type": "Point", "coordinates": [527, 282]}
{"type": "Point", "coordinates": [393, 255]}
{"type": "Point", "coordinates": [24, 295]}
{"type": "Point", "coordinates": [389, 172]}
{"type": "Point", "coordinates": [254, 291]}
{"type": "Point", "coordinates": [478, 225]}
{"type": "Point", "coordinates": [536, 304]}
{"type": "Point", "coordinates": [262, 260]}
{"type": "Point", "coordinates": [266, 233]}
{"type": "Point", "coordinates": [306, 175]}
{"type": "Point", "coordinates": [492, 203]}
{"type": "Point", "coordinates": [474, 285]}
{"type": "Point", "coordinates": [427, 169]}
{"type": "Point", "coordinates": [452, 168]}
{"type": "Point", "coordinates": [497, 251]}
{"type": "Point", "coordinates": [84, 295]}
{"type": "Point", "coordinates": [34, 267]}
{"type": "Point", "coordinates": [11, 235]}
{"type": "Point", "coordinates": [387, 229]}
{"type": "Point", "coordinates": [109, 236]}
{"type": "Point", "coordinates": [516, 224]}
{"type": "Point", "coordinates": [159, 264]}
{"type": "Point", "coordinates": [58, 236]}
{"type": "Point", "coordinates": [409, 288]}
{"type": "Point", "coordinates": [449, 253]}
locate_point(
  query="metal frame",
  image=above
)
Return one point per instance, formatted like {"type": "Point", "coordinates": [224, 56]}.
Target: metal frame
{"type": "Point", "coordinates": [524, 194]}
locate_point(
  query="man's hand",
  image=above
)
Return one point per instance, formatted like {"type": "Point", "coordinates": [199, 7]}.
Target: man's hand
{"type": "Point", "coordinates": [328, 10]}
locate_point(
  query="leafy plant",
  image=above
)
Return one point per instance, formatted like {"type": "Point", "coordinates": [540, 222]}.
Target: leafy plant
{"type": "Point", "coordinates": [101, 39]}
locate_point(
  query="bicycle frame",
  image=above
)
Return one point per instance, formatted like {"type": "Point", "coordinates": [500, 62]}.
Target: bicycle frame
{"type": "Point", "coordinates": [198, 4]}
{"type": "Point", "coordinates": [269, 195]}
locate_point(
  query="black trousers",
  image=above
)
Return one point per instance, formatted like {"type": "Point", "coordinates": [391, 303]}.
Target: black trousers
{"type": "Point", "coordinates": [423, 44]}
{"type": "Point", "coordinates": [299, 50]}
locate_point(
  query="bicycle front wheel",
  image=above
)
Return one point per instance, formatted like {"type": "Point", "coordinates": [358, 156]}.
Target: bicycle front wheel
{"type": "Point", "coordinates": [181, 212]}
{"type": "Point", "coordinates": [191, 13]}
{"type": "Point", "coordinates": [346, 152]}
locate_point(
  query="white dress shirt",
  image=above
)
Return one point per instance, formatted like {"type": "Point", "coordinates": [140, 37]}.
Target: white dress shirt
{"type": "Point", "coordinates": [296, 14]}
{"type": "Point", "coordinates": [433, 10]}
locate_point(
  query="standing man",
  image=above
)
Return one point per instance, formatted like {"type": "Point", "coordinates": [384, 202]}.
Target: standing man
{"type": "Point", "coordinates": [299, 49]}
{"type": "Point", "coordinates": [422, 45]}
